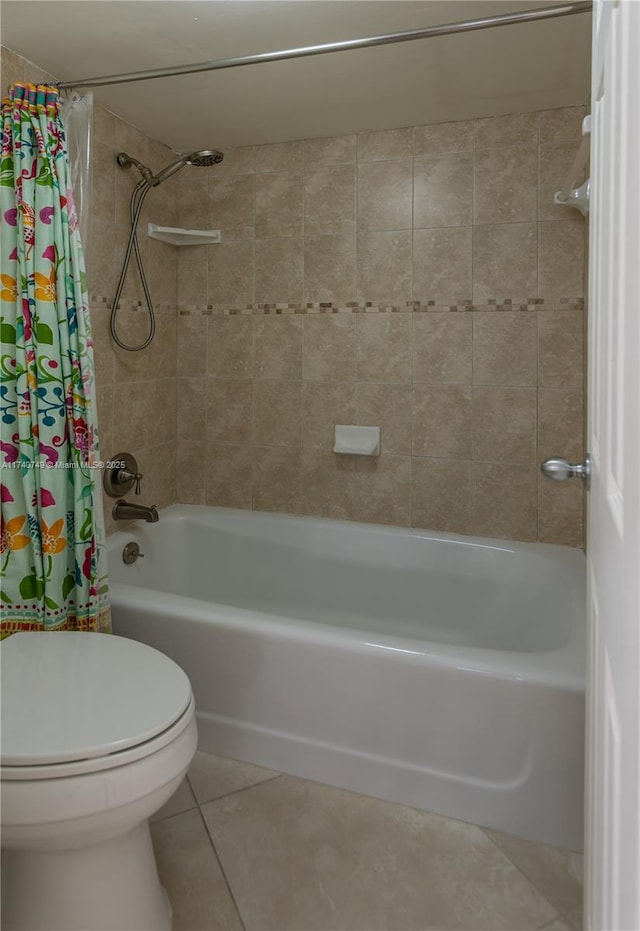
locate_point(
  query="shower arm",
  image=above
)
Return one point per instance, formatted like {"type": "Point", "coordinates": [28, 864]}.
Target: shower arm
{"type": "Point", "coordinates": [409, 35]}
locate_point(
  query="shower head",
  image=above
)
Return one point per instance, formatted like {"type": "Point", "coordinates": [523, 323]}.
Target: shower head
{"type": "Point", "coordinates": [205, 158]}
{"type": "Point", "coordinates": [201, 159]}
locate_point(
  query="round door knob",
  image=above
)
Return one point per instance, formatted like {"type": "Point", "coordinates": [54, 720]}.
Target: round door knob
{"type": "Point", "coordinates": [561, 470]}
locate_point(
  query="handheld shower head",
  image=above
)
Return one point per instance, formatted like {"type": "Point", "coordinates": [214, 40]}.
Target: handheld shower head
{"type": "Point", "coordinates": [204, 158]}
{"type": "Point", "coordinates": [201, 159]}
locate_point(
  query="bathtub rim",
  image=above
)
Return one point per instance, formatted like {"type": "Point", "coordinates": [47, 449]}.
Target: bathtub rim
{"type": "Point", "coordinates": [180, 512]}
{"type": "Point", "coordinates": [563, 667]}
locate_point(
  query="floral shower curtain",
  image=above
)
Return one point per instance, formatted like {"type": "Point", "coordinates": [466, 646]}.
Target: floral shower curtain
{"type": "Point", "coordinates": [53, 574]}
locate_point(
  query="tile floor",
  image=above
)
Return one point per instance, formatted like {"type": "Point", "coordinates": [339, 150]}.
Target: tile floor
{"type": "Point", "coordinates": [241, 848]}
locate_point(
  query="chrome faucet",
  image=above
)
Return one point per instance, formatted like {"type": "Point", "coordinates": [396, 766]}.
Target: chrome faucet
{"type": "Point", "coordinates": [123, 510]}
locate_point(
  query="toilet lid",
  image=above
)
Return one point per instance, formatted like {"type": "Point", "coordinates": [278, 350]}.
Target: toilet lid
{"type": "Point", "coordinates": [71, 695]}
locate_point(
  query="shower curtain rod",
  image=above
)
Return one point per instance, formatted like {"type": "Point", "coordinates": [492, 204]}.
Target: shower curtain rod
{"type": "Point", "coordinates": [429, 32]}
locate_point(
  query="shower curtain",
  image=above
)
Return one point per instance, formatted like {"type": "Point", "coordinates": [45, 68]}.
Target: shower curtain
{"type": "Point", "coordinates": [52, 539]}
{"type": "Point", "coordinates": [76, 111]}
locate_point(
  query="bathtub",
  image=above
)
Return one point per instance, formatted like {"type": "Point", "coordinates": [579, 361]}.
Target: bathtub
{"type": "Point", "coordinates": [443, 672]}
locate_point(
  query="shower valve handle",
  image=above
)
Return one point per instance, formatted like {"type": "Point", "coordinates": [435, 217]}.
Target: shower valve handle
{"type": "Point", "coordinates": [121, 474]}
{"type": "Point", "coordinates": [125, 476]}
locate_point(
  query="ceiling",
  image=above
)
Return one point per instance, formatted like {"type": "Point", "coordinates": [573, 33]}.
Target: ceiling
{"type": "Point", "coordinates": [528, 66]}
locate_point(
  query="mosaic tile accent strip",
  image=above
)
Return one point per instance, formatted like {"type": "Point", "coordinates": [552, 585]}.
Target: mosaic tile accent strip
{"type": "Point", "coordinates": [370, 307]}
{"type": "Point", "coordinates": [100, 302]}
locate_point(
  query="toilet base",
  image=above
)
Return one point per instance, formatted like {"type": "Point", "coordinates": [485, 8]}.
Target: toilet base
{"type": "Point", "coordinates": [110, 886]}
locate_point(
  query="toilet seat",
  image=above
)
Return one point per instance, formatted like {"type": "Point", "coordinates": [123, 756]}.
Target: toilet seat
{"type": "Point", "coordinates": [100, 763]}
{"type": "Point", "coordinates": [75, 703]}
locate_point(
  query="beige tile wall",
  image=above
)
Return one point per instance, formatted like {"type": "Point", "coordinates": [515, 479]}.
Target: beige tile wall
{"type": "Point", "coordinates": [420, 279]}
{"type": "Point", "coordinates": [136, 391]}
{"type": "Point", "coordinates": [329, 301]}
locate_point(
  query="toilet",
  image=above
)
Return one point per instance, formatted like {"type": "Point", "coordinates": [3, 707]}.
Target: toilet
{"type": "Point", "coordinates": [97, 734]}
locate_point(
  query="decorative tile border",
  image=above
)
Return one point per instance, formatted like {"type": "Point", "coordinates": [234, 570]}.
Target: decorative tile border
{"type": "Point", "coordinates": [354, 307]}
{"type": "Point", "coordinates": [98, 302]}
{"type": "Point", "coordinates": [371, 307]}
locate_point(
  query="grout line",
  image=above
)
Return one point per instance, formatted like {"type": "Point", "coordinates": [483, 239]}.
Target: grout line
{"type": "Point", "coordinates": [303, 236]}
{"type": "Point", "coordinates": [206, 411]}
{"type": "Point", "coordinates": [412, 334]}
{"type": "Point", "coordinates": [523, 873]}
{"type": "Point", "coordinates": [254, 213]}
{"type": "Point", "coordinates": [413, 224]}
{"type": "Point", "coordinates": [548, 924]}
{"type": "Point", "coordinates": [222, 869]}
{"type": "Point", "coordinates": [176, 814]}
{"type": "Point", "coordinates": [570, 916]}
{"type": "Point", "coordinates": [538, 495]}
{"type": "Point", "coordinates": [253, 340]}
{"type": "Point", "coordinates": [474, 156]}
{"type": "Point", "coordinates": [412, 386]}
{"type": "Point", "coordinates": [236, 791]}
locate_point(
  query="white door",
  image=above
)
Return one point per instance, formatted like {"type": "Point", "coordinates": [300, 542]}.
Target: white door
{"type": "Point", "coordinates": [613, 675]}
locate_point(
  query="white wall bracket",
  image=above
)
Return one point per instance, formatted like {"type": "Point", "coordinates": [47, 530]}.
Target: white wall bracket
{"type": "Point", "coordinates": [578, 197]}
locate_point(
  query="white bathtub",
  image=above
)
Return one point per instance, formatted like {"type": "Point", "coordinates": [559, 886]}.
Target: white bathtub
{"type": "Point", "coordinates": [439, 671]}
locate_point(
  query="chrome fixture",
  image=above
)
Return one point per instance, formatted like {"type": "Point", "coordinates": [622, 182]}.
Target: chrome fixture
{"type": "Point", "coordinates": [428, 32]}
{"type": "Point", "coordinates": [203, 158]}
{"type": "Point", "coordinates": [123, 510]}
{"type": "Point", "coordinates": [561, 470]}
{"type": "Point", "coordinates": [131, 552]}
{"type": "Point", "coordinates": [578, 197]}
{"type": "Point", "coordinates": [120, 475]}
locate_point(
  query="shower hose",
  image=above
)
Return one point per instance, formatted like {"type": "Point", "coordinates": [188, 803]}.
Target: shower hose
{"type": "Point", "coordinates": [135, 206]}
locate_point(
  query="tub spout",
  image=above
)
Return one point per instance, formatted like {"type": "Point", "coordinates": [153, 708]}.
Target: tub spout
{"type": "Point", "coordinates": [123, 510]}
